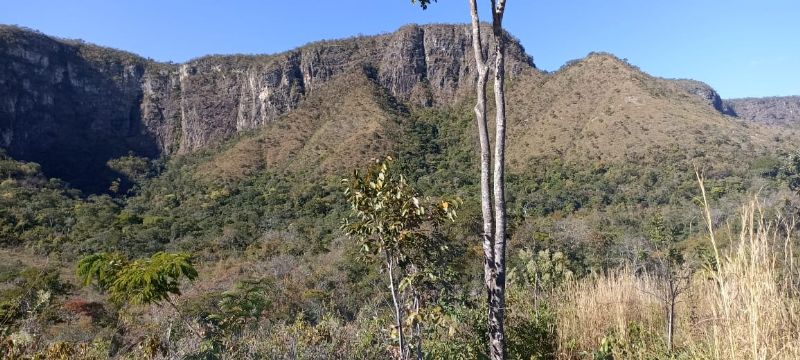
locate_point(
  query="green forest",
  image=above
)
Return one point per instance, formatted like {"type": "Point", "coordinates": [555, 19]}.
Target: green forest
{"type": "Point", "coordinates": [429, 193]}
{"type": "Point", "coordinates": [272, 273]}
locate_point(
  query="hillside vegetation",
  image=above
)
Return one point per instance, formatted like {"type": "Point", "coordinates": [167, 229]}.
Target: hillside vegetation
{"type": "Point", "coordinates": [604, 203]}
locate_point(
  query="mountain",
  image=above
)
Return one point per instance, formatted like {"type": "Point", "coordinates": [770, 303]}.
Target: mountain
{"type": "Point", "coordinates": [73, 106]}
{"type": "Point", "coordinates": [602, 109]}
{"type": "Point", "coordinates": [776, 110]}
{"type": "Point", "coordinates": [238, 160]}
{"type": "Point", "coordinates": [62, 100]}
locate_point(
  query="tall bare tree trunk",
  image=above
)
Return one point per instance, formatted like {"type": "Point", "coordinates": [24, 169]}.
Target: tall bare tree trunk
{"type": "Point", "coordinates": [485, 157]}
{"type": "Point", "coordinates": [672, 299]}
{"type": "Point", "coordinates": [498, 298]}
{"type": "Point", "coordinates": [483, 136]}
{"type": "Point", "coordinates": [493, 207]}
{"type": "Point", "coordinates": [418, 326]}
{"type": "Point", "coordinates": [398, 314]}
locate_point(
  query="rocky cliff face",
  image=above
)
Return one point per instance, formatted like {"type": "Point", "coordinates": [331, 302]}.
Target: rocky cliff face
{"type": "Point", "coordinates": [62, 97]}
{"type": "Point", "coordinates": [70, 106]}
{"type": "Point", "coordinates": [704, 92]}
{"type": "Point", "coordinates": [426, 65]}
{"type": "Point", "coordinates": [782, 111]}
{"type": "Point", "coordinates": [772, 110]}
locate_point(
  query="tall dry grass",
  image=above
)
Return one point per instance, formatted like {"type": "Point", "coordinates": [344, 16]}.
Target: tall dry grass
{"type": "Point", "coordinates": [616, 304]}
{"type": "Point", "coordinates": [744, 304]}
{"type": "Point", "coordinates": [751, 299]}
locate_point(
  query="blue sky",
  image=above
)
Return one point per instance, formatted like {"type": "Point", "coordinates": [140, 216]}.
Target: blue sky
{"type": "Point", "coordinates": [742, 48]}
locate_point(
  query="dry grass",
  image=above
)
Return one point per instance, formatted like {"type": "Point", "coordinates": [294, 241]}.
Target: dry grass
{"type": "Point", "coordinates": [602, 109]}
{"type": "Point", "coordinates": [742, 306]}
{"type": "Point", "coordinates": [751, 297]}
{"type": "Point", "coordinates": [596, 307]}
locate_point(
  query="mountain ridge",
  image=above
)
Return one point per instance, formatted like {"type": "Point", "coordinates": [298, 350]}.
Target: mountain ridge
{"type": "Point", "coordinates": [62, 97]}
{"type": "Point", "coordinates": [73, 106]}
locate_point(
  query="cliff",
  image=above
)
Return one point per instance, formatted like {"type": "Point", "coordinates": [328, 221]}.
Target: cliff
{"type": "Point", "coordinates": [704, 92]}
{"type": "Point", "coordinates": [72, 106]}
{"type": "Point", "coordinates": [783, 111]}
{"type": "Point", "coordinates": [62, 100]}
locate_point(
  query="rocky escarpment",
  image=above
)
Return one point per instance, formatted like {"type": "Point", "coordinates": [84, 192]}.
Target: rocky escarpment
{"type": "Point", "coordinates": [771, 110]}
{"type": "Point", "coordinates": [782, 111]}
{"type": "Point", "coordinates": [70, 106]}
{"type": "Point", "coordinates": [704, 92]}
{"type": "Point", "coordinates": [62, 97]}
{"type": "Point", "coordinates": [222, 95]}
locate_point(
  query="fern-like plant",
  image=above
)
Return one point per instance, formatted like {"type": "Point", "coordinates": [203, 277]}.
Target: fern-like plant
{"type": "Point", "coordinates": [141, 282]}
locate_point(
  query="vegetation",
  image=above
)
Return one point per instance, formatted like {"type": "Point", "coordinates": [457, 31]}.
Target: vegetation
{"type": "Point", "coordinates": [392, 221]}
{"type": "Point", "coordinates": [144, 281]}
{"type": "Point", "coordinates": [238, 251]}
{"type": "Point", "coordinates": [272, 260]}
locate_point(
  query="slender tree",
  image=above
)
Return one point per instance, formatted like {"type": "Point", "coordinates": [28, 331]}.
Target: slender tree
{"type": "Point", "coordinates": [493, 204]}
{"type": "Point", "coordinates": [393, 223]}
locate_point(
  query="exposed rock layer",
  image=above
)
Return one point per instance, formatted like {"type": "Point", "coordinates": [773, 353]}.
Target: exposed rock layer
{"type": "Point", "coordinates": [705, 92]}
{"type": "Point", "coordinates": [50, 88]}
{"type": "Point", "coordinates": [771, 110]}
{"type": "Point", "coordinates": [72, 106]}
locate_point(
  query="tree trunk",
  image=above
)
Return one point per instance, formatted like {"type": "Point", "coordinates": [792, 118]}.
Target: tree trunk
{"type": "Point", "coordinates": [398, 314]}
{"type": "Point", "coordinates": [485, 159]}
{"type": "Point", "coordinates": [483, 137]}
{"type": "Point", "coordinates": [167, 342]}
{"type": "Point", "coordinates": [186, 322]}
{"type": "Point", "coordinates": [497, 296]}
{"type": "Point", "coordinates": [672, 299]}
{"type": "Point", "coordinates": [493, 208]}
{"type": "Point", "coordinates": [418, 326]}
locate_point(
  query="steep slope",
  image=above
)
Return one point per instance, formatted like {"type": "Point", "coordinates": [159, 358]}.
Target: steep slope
{"type": "Point", "coordinates": [779, 111]}
{"type": "Point", "coordinates": [349, 121]}
{"type": "Point", "coordinates": [73, 107]}
{"type": "Point", "coordinates": [705, 92]}
{"type": "Point", "coordinates": [69, 106]}
{"type": "Point", "coordinates": [602, 109]}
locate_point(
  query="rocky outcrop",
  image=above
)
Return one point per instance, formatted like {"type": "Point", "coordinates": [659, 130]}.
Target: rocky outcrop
{"type": "Point", "coordinates": [426, 65]}
{"type": "Point", "coordinates": [62, 97]}
{"type": "Point", "coordinates": [68, 105]}
{"type": "Point", "coordinates": [782, 111]}
{"type": "Point", "coordinates": [704, 92]}
{"type": "Point", "coordinates": [771, 110]}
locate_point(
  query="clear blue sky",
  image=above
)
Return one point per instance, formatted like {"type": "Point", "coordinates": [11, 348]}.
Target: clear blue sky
{"type": "Point", "coordinates": [742, 48]}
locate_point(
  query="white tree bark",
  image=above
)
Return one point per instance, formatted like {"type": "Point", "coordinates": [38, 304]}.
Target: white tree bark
{"type": "Point", "coordinates": [398, 313]}
{"type": "Point", "coordinates": [493, 207]}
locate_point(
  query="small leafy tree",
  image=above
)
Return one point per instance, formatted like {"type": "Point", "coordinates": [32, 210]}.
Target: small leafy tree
{"type": "Point", "coordinates": [790, 171]}
{"type": "Point", "coordinates": [237, 308]}
{"type": "Point", "coordinates": [143, 281]}
{"type": "Point", "coordinates": [543, 271]}
{"type": "Point", "coordinates": [393, 223]}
